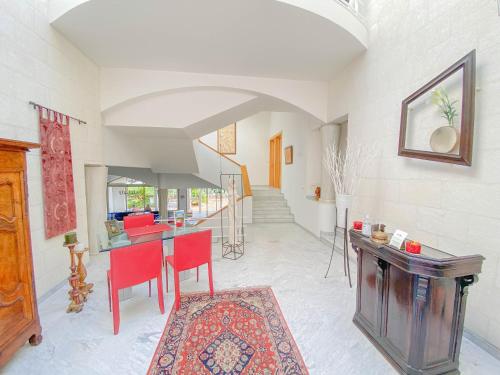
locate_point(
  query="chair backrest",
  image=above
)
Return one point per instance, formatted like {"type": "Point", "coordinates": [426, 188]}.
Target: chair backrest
{"type": "Point", "coordinates": [192, 250]}
{"type": "Point", "coordinates": [134, 221]}
{"type": "Point", "coordinates": [135, 264]}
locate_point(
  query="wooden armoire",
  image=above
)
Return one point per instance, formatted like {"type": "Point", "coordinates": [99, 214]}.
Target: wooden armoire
{"type": "Point", "coordinates": [19, 321]}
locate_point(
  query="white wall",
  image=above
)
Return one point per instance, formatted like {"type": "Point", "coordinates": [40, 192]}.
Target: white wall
{"type": "Point", "coordinates": [38, 64]}
{"type": "Point", "coordinates": [451, 207]}
{"type": "Point", "coordinates": [297, 178]}
{"type": "Point", "coordinates": [252, 146]}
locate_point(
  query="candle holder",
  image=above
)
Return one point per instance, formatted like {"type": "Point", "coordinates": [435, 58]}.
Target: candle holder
{"type": "Point", "coordinates": [75, 296]}
{"type": "Point", "coordinates": [84, 287]}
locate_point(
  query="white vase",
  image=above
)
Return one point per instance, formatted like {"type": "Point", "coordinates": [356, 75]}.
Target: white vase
{"type": "Point", "coordinates": [342, 202]}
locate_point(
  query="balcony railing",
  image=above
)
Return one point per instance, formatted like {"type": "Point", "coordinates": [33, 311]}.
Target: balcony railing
{"type": "Point", "coordinates": [355, 6]}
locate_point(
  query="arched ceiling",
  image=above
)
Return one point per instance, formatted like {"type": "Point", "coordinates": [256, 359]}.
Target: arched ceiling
{"type": "Point", "coordinates": [264, 38]}
{"type": "Point", "coordinates": [189, 113]}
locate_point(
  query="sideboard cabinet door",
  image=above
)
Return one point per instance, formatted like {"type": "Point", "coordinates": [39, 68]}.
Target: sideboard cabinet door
{"type": "Point", "coordinates": [398, 312]}
{"type": "Point", "coordinates": [368, 294]}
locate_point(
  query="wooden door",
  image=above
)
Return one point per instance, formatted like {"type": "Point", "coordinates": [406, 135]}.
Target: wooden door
{"type": "Point", "coordinates": [18, 311]}
{"type": "Point", "coordinates": [275, 144]}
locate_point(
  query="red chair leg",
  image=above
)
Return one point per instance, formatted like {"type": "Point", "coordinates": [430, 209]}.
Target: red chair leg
{"type": "Point", "coordinates": [159, 284]}
{"type": "Point", "coordinates": [149, 283]}
{"type": "Point", "coordinates": [177, 290]}
{"type": "Point", "coordinates": [210, 279]}
{"type": "Point", "coordinates": [116, 310]}
{"type": "Point", "coordinates": [197, 274]}
{"type": "Point", "coordinates": [109, 292]}
{"type": "Point", "coordinates": [166, 274]}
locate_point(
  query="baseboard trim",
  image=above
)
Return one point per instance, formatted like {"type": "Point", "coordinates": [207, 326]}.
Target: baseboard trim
{"type": "Point", "coordinates": [58, 286]}
{"type": "Point", "coordinates": [482, 343]}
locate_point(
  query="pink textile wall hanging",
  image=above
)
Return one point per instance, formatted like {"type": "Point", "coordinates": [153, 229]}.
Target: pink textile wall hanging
{"type": "Point", "coordinates": [57, 174]}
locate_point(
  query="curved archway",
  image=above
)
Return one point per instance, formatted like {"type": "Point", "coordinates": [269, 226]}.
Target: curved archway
{"type": "Point", "coordinates": [122, 86]}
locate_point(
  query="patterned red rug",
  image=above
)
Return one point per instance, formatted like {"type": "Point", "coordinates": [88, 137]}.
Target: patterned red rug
{"type": "Point", "coordinates": [239, 331]}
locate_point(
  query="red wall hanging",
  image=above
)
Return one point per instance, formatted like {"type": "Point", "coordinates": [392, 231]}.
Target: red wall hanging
{"type": "Point", "coordinates": [57, 173]}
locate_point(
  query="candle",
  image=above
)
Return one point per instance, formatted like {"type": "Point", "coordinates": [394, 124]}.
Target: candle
{"type": "Point", "coordinates": [358, 225]}
{"type": "Point", "coordinates": [413, 247]}
{"type": "Point", "coordinates": [70, 238]}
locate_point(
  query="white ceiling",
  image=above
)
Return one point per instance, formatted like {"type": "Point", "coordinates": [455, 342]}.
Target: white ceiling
{"type": "Point", "coordinates": [263, 38]}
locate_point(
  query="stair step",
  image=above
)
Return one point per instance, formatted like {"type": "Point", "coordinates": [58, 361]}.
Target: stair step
{"type": "Point", "coordinates": [274, 216]}
{"type": "Point", "coordinates": [266, 192]}
{"type": "Point", "coordinates": [270, 210]}
{"type": "Point", "coordinates": [272, 203]}
{"type": "Point", "coordinates": [269, 198]}
{"type": "Point", "coordinates": [273, 220]}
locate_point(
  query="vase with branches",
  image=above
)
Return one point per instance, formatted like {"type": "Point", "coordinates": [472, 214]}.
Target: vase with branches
{"type": "Point", "coordinates": [345, 169]}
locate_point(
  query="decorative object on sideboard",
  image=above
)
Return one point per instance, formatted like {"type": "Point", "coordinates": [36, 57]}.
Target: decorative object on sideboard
{"type": "Point", "coordinates": [398, 239]}
{"type": "Point", "coordinates": [380, 237]}
{"type": "Point", "coordinates": [357, 225]}
{"type": "Point", "coordinates": [422, 134]}
{"type": "Point", "coordinates": [289, 155]}
{"type": "Point", "coordinates": [413, 247]}
{"type": "Point", "coordinates": [378, 234]}
{"type": "Point", "coordinates": [345, 169]}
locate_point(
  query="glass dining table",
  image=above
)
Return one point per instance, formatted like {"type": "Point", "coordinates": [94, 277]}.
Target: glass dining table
{"type": "Point", "coordinates": [124, 239]}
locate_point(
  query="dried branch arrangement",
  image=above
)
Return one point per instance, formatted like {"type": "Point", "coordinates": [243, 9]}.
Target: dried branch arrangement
{"type": "Point", "coordinates": [345, 168]}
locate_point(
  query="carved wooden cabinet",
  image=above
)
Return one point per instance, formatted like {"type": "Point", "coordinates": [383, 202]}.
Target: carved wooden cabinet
{"type": "Point", "coordinates": [19, 320]}
{"type": "Point", "coordinates": [412, 307]}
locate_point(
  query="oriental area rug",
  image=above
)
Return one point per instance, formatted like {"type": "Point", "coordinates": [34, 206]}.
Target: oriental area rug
{"type": "Point", "coordinates": [240, 331]}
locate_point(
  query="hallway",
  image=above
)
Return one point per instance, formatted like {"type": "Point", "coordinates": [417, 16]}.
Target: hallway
{"type": "Point", "coordinates": [318, 311]}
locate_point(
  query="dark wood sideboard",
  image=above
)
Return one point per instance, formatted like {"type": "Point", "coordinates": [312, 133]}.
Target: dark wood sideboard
{"type": "Point", "coordinates": [412, 307]}
{"type": "Point", "coordinates": [19, 320]}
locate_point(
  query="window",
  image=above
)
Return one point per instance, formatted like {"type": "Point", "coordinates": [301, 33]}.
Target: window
{"type": "Point", "coordinates": [203, 202]}
{"type": "Point", "coordinates": [130, 195]}
{"type": "Point", "coordinates": [173, 199]}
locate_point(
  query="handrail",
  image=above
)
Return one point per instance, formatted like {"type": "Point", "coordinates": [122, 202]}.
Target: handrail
{"type": "Point", "coordinates": [220, 154]}
{"type": "Point", "coordinates": [215, 213]}
{"type": "Point", "coordinates": [247, 189]}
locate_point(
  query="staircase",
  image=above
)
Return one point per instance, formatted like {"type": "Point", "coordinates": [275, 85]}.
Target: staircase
{"type": "Point", "coordinates": [270, 206]}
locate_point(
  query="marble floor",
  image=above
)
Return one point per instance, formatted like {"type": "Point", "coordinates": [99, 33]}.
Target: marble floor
{"type": "Point", "coordinates": [318, 311]}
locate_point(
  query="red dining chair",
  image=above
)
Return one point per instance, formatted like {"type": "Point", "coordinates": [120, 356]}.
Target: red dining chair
{"type": "Point", "coordinates": [134, 221]}
{"type": "Point", "coordinates": [131, 266]}
{"type": "Point", "coordinates": [190, 251]}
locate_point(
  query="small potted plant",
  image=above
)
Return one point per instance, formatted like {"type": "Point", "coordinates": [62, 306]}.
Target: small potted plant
{"type": "Point", "coordinates": [445, 138]}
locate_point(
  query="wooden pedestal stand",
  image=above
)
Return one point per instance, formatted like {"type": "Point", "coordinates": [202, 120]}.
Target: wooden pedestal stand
{"type": "Point", "coordinates": [76, 303]}
{"type": "Point", "coordinates": [83, 287]}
